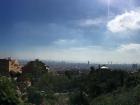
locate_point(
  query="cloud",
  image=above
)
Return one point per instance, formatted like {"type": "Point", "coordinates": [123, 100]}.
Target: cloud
{"type": "Point", "coordinates": [65, 42]}
{"type": "Point", "coordinates": [130, 48]}
{"type": "Point", "coordinates": [129, 52]}
{"type": "Point", "coordinates": [69, 43]}
{"type": "Point", "coordinates": [125, 53]}
{"type": "Point", "coordinates": [76, 54]}
{"type": "Point", "coordinates": [91, 22]}
{"type": "Point", "coordinates": [128, 21]}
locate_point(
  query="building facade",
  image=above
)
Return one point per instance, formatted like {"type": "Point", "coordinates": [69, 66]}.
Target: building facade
{"type": "Point", "coordinates": [9, 65]}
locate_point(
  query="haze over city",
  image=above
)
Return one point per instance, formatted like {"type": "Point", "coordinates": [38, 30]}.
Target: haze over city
{"type": "Point", "coordinates": [71, 30]}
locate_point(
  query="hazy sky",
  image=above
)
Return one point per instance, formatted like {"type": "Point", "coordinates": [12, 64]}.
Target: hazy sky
{"type": "Point", "coordinates": [71, 30]}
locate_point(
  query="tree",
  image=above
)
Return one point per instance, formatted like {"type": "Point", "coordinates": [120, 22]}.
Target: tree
{"type": "Point", "coordinates": [79, 98]}
{"type": "Point", "coordinates": [8, 94]}
{"type": "Point", "coordinates": [34, 70]}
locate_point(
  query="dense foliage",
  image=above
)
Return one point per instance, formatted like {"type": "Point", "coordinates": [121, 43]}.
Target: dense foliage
{"type": "Point", "coordinates": [8, 93]}
{"type": "Point", "coordinates": [34, 70]}
{"type": "Point", "coordinates": [97, 87]}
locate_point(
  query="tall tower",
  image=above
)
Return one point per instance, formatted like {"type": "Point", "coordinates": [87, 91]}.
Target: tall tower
{"type": "Point", "coordinates": [88, 62]}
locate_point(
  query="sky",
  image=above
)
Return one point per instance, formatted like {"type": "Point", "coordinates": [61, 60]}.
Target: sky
{"type": "Point", "coordinates": [71, 30]}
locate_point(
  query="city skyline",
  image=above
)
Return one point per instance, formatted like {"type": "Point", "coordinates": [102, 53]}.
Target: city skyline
{"type": "Point", "coordinates": [69, 30]}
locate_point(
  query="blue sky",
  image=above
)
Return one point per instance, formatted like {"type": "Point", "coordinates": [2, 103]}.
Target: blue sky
{"type": "Point", "coordinates": [71, 30]}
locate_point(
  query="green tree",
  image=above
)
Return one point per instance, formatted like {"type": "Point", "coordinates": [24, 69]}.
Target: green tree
{"type": "Point", "coordinates": [34, 70]}
{"type": "Point", "coordinates": [79, 98]}
{"type": "Point", "coordinates": [8, 93]}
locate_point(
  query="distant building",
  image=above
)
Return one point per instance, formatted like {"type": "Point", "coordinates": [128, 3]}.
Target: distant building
{"type": "Point", "coordinates": [134, 67]}
{"type": "Point", "coordinates": [47, 68]}
{"type": "Point", "coordinates": [9, 66]}
{"type": "Point", "coordinates": [104, 67]}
